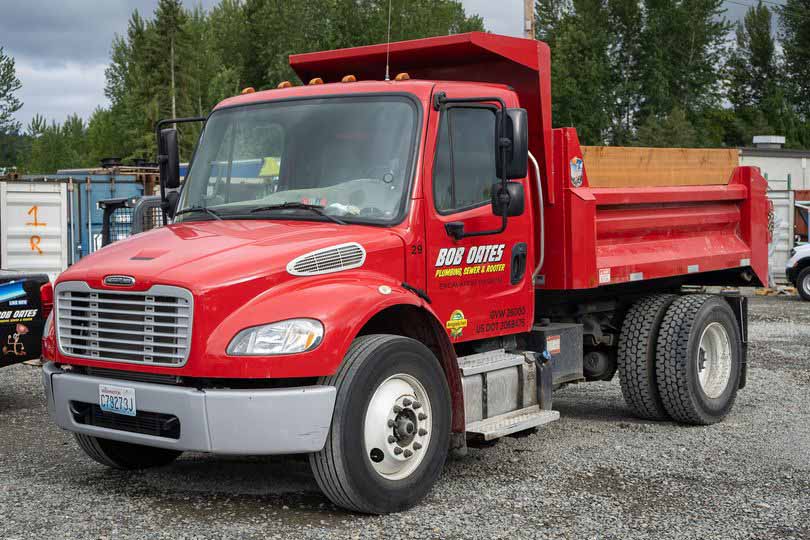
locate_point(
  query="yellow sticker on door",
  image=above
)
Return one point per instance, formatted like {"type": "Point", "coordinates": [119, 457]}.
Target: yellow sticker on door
{"type": "Point", "coordinates": [456, 324]}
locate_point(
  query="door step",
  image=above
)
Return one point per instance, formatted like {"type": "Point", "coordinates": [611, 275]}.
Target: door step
{"type": "Point", "coordinates": [512, 422]}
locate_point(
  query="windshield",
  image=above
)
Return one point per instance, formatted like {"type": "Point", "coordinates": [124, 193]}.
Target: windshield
{"type": "Point", "coordinates": [350, 156]}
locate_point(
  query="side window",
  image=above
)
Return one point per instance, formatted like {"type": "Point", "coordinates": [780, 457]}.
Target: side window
{"type": "Point", "coordinates": [465, 159]}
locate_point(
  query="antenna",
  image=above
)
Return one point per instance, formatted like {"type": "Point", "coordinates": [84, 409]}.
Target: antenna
{"type": "Point", "coordinates": [388, 46]}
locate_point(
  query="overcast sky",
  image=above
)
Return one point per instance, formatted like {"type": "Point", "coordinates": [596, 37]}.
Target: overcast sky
{"type": "Point", "coordinates": [61, 47]}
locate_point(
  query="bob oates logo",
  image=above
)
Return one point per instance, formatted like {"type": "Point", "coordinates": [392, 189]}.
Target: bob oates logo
{"type": "Point", "coordinates": [485, 259]}
{"type": "Point", "coordinates": [456, 324]}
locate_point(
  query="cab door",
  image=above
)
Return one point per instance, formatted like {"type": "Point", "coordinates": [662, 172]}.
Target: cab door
{"type": "Point", "coordinates": [480, 286]}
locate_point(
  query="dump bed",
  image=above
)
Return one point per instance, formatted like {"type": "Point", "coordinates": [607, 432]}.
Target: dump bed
{"type": "Point", "coordinates": [714, 227]}
{"type": "Point", "coordinates": [596, 236]}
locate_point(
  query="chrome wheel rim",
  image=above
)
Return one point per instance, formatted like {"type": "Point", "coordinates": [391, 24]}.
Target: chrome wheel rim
{"type": "Point", "coordinates": [806, 284]}
{"type": "Point", "coordinates": [397, 427]}
{"type": "Point", "coordinates": [714, 360]}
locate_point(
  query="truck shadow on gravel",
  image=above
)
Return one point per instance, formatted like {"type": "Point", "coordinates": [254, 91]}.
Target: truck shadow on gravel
{"type": "Point", "coordinates": [217, 489]}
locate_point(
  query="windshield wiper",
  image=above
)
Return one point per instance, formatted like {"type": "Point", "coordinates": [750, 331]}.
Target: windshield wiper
{"type": "Point", "coordinates": [192, 209]}
{"type": "Point", "coordinates": [299, 206]}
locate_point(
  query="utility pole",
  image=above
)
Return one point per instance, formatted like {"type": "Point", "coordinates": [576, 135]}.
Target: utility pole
{"type": "Point", "coordinates": [528, 19]}
{"type": "Point", "coordinates": [174, 98]}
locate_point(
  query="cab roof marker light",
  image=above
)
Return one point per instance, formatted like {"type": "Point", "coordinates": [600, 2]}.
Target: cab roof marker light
{"type": "Point", "coordinates": [316, 80]}
{"type": "Point", "coordinates": [402, 77]}
{"type": "Point", "coordinates": [349, 79]}
{"type": "Point", "coordinates": [248, 90]}
{"type": "Point", "coordinates": [285, 84]}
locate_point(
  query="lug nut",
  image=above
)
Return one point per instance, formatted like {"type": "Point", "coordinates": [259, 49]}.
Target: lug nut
{"type": "Point", "coordinates": [422, 432]}
{"type": "Point", "coordinates": [422, 416]}
{"type": "Point", "coordinates": [407, 402]}
{"type": "Point", "coordinates": [392, 439]}
{"type": "Point", "coordinates": [416, 405]}
{"type": "Point", "coordinates": [408, 453]}
{"type": "Point", "coordinates": [417, 446]}
{"type": "Point", "coordinates": [390, 423]}
{"type": "Point", "coordinates": [397, 409]}
{"type": "Point", "coordinates": [397, 450]}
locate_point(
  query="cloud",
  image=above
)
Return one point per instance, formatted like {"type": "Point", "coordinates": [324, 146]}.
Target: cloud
{"type": "Point", "coordinates": [60, 90]}
{"type": "Point", "coordinates": [500, 16]}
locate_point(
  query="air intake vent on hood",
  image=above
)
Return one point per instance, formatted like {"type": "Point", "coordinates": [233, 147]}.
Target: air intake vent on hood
{"type": "Point", "coordinates": [328, 260]}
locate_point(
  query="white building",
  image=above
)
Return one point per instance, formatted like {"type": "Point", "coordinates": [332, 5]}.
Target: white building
{"type": "Point", "coordinates": [786, 171]}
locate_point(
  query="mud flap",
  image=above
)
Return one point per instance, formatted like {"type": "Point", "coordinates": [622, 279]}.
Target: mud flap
{"type": "Point", "coordinates": [739, 305]}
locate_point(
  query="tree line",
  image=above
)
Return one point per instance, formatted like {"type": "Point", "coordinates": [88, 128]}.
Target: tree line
{"type": "Point", "coordinates": [179, 62]}
{"type": "Point", "coordinates": [624, 72]}
{"type": "Point", "coordinates": [678, 73]}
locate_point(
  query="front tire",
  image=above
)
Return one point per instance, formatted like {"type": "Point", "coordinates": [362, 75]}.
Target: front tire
{"type": "Point", "coordinates": [698, 359]}
{"type": "Point", "coordinates": [391, 426]}
{"type": "Point", "coordinates": [803, 284]}
{"type": "Point", "coordinates": [121, 455]}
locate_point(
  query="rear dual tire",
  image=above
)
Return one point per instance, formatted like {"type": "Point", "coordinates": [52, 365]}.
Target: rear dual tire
{"type": "Point", "coordinates": [637, 356]}
{"type": "Point", "coordinates": [699, 359]}
{"type": "Point", "coordinates": [680, 358]}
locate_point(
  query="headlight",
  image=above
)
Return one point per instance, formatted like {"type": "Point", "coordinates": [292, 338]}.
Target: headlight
{"type": "Point", "coordinates": [285, 337]}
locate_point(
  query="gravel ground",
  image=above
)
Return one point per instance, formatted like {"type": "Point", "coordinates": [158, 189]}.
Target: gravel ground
{"type": "Point", "coordinates": [597, 473]}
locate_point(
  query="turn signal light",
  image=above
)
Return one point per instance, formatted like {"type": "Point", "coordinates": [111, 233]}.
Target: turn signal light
{"type": "Point", "coordinates": [402, 77]}
{"type": "Point", "coordinates": [316, 80]}
{"type": "Point", "coordinates": [248, 90]}
{"type": "Point", "coordinates": [285, 84]}
{"type": "Point", "coordinates": [348, 79]}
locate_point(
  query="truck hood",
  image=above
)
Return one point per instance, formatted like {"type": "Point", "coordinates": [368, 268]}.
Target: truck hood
{"type": "Point", "coordinates": [205, 255]}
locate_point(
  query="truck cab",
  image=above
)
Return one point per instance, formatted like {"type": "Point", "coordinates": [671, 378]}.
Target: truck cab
{"type": "Point", "coordinates": [358, 270]}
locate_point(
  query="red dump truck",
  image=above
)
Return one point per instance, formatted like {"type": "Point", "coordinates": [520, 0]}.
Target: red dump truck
{"type": "Point", "coordinates": [373, 272]}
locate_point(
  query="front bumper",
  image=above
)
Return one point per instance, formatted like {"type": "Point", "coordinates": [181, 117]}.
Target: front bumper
{"type": "Point", "coordinates": [272, 421]}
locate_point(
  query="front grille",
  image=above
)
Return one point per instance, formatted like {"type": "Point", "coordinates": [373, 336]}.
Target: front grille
{"type": "Point", "coordinates": [328, 260]}
{"type": "Point", "coordinates": [144, 422]}
{"type": "Point", "coordinates": [152, 327]}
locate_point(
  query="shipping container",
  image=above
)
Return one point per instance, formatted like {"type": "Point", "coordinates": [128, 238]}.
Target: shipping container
{"type": "Point", "coordinates": [84, 217]}
{"type": "Point", "coordinates": [34, 227]}
{"type": "Point", "coordinates": [88, 217]}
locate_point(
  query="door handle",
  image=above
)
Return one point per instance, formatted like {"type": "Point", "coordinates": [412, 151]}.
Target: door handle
{"type": "Point", "coordinates": [518, 267]}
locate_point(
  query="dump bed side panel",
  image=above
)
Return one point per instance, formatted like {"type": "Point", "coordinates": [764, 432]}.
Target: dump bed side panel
{"type": "Point", "coordinates": [607, 236]}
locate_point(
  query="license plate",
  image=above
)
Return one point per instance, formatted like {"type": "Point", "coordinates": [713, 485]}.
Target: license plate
{"type": "Point", "coordinates": [117, 399]}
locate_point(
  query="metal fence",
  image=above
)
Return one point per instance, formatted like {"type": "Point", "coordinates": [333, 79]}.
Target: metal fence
{"type": "Point", "coordinates": [124, 217]}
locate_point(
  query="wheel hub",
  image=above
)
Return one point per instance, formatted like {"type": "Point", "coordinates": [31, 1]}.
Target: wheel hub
{"type": "Point", "coordinates": [397, 426]}
{"type": "Point", "coordinates": [714, 360]}
{"type": "Point", "coordinates": [405, 427]}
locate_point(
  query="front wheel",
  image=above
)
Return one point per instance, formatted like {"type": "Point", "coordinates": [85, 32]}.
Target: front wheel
{"type": "Point", "coordinates": [803, 284]}
{"type": "Point", "coordinates": [390, 429]}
